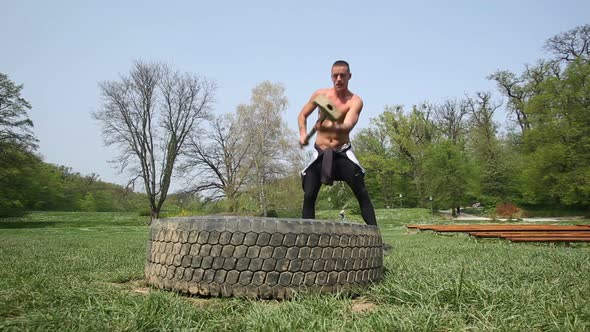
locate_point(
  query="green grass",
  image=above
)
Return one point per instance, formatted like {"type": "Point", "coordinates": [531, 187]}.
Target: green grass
{"type": "Point", "coordinates": [531, 212]}
{"type": "Point", "coordinates": [83, 272]}
{"type": "Point", "coordinates": [74, 219]}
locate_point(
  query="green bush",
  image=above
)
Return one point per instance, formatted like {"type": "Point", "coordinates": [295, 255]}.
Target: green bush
{"type": "Point", "coordinates": [88, 203]}
{"type": "Point", "coordinates": [11, 208]}
{"type": "Point", "coordinates": [144, 212]}
{"type": "Point", "coordinates": [355, 209]}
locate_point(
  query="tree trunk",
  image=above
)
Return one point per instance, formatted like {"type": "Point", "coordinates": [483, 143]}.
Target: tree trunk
{"type": "Point", "coordinates": [262, 198]}
{"type": "Point", "coordinates": [155, 215]}
{"type": "Point", "coordinates": [232, 203]}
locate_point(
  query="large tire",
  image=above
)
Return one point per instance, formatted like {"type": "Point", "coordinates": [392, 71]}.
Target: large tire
{"type": "Point", "coordinates": [261, 257]}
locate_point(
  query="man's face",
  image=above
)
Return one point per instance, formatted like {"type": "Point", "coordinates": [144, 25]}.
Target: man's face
{"type": "Point", "coordinates": [340, 77]}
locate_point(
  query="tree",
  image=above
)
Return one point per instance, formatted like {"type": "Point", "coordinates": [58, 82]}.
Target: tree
{"type": "Point", "coordinates": [284, 192]}
{"type": "Point", "coordinates": [557, 150]}
{"type": "Point", "coordinates": [448, 174]}
{"type": "Point", "coordinates": [273, 147]}
{"type": "Point", "coordinates": [449, 118]}
{"type": "Point", "coordinates": [59, 188]}
{"type": "Point", "coordinates": [18, 163]}
{"type": "Point", "coordinates": [18, 169]}
{"type": "Point", "coordinates": [149, 115]}
{"type": "Point", "coordinates": [496, 163]}
{"type": "Point", "coordinates": [410, 135]}
{"type": "Point", "coordinates": [218, 157]}
{"type": "Point", "coordinates": [245, 153]}
{"type": "Point", "coordinates": [374, 150]}
{"type": "Point", "coordinates": [519, 89]}
{"type": "Point", "coordinates": [571, 45]}
{"type": "Point", "coordinates": [88, 203]}
{"type": "Point", "coordinates": [15, 125]}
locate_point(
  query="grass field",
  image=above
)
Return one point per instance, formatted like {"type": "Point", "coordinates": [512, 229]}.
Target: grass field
{"type": "Point", "coordinates": [83, 272]}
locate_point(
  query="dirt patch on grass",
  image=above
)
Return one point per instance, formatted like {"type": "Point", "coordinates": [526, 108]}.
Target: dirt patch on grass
{"type": "Point", "coordinates": [198, 302]}
{"type": "Point", "coordinates": [362, 306]}
{"type": "Point", "coordinates": [138, 286]}
{"type": "Point", "coordinates": [142, 290]}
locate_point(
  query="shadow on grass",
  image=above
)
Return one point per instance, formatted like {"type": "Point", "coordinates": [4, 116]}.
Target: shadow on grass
{"type": "Point", "coordinates": [25, 224]}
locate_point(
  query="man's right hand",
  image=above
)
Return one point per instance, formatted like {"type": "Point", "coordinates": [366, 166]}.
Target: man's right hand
{"type": "Point", "coordinates": [302, 140]}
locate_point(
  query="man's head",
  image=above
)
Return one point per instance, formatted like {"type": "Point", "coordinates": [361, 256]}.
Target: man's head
{"type": "Point", "coordinates": [341, 75]}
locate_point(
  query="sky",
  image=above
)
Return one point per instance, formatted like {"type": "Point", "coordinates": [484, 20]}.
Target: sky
{"type": "Point", "coordinates": [400, 53]}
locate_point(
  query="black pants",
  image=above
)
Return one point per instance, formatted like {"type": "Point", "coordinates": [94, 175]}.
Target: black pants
{"type": "Point", "coordinates": [344, 170]}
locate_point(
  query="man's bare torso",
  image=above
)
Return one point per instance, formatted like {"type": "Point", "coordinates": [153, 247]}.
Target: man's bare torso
{"type": "Point", "coordinates": [327, 138]}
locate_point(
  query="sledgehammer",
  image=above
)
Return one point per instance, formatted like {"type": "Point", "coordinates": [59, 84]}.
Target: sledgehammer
{"type": "Point", "coordinates": [327, 110]}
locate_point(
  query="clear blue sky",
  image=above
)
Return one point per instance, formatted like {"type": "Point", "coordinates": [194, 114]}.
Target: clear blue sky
{"type": "Point", "coordinates": [401, 52]}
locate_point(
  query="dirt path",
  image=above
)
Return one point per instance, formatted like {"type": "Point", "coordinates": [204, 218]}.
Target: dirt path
{"type": "Point", "coordinates": [467, 217]}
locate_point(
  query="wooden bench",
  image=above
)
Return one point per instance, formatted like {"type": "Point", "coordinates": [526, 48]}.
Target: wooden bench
{"type": "Point", "coordinates": [517, 232]}
{"type": "Point", "coordinates": [530, 233]}
{"type": "Point", "coordinates": [549, 239]}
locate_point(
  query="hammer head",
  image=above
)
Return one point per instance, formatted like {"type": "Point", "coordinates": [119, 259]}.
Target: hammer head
{"type": "Point", "coordinates": [326, 106]}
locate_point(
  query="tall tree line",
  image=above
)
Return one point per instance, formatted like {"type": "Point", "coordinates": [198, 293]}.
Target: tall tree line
{"type": "Point", "coordinates": [28, 183]}
{"type": "Point", "coordinates": [453, 151]}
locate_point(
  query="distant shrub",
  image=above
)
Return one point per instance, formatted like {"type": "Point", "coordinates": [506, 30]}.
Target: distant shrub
{"type": "Point", "coordinates": [289, 213]}
{"type": "Point", "coordinates": [185, 213]}
{"type": "Point", "coordinates": [510, 211]}
{"type": "Point", "coordinates": [355, 209]}
{"type": "Point", "coordinates": [11, 208]}
{"type": "Point", "coordinates": [144, 212]}
{"type": "Point", "coordinates": [88, 203]}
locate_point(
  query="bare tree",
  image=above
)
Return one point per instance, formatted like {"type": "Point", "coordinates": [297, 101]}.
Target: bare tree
{"type": "Point", "coordinates": [571, 45]}
{"type": "Point", "coordinates": [218, 158]}
{"type": "Point", "coordinates": [448, 118]}
{"type": "Point", "coordinates": [149, 115]}
{"type": "Point", "coordinates": [482, 109]}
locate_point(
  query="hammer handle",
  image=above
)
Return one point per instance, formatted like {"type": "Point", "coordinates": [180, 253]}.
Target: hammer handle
{"type": "Point", "coordinates": [313, 130]}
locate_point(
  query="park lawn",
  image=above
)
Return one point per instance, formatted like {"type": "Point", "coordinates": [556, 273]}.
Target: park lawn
{"type": "Point", "coordinates": [83, 272]}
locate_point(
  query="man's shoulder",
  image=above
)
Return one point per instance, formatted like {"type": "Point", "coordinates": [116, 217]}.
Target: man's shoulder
{"type": "Point", "coordinates": [356, 100]}
{"type": "Point", "coordinates": [323, 91]}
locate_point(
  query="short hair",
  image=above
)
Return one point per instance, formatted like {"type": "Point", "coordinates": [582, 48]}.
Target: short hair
{"type": "Point", "coordinates": [341, 63]}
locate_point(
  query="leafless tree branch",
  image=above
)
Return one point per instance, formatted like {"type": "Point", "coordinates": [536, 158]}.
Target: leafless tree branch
{"type": "Point", "coordinates": [148, 116]}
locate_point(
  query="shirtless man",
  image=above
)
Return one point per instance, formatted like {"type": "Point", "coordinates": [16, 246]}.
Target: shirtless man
{"type": "Point", "coordinates": [334, 157]}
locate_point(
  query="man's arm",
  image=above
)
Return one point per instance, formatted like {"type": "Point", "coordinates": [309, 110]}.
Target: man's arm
{"type": "Point", "coordinates": [307, 109]}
